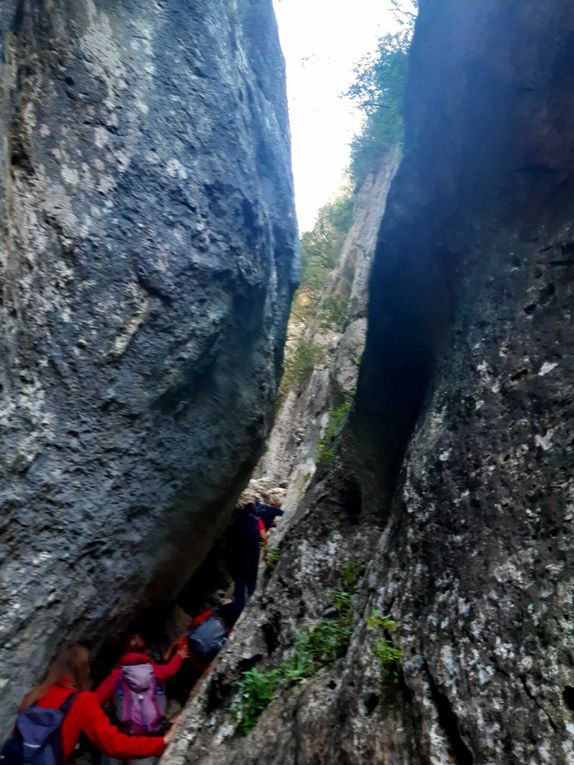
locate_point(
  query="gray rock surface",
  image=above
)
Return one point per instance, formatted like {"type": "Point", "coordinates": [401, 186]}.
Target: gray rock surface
{"type": "Point", "coordinates": [460, 442]}
{"type": "Point", "coordinates": [147, 249]}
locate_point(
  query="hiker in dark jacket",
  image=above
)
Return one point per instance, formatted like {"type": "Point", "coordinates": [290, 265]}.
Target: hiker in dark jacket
{"type": "Point", "coordinates": [247, 534]}
{"type": "Point", "coordinates": [267, 513]}
{"type": "Point", "coordinates": [68, 680]}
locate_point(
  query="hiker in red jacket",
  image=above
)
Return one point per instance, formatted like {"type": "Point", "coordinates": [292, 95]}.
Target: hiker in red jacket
{"type": "Point", "coordinates": [137, 688]}
{"type": "Point", "coordinates": [136, 654]}
{"type": "Point", "coordinates": [68, 676]}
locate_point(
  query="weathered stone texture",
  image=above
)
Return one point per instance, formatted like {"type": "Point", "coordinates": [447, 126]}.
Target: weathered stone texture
{"type": "Point", "coordinates": [470, 345]}
{"type": "Point", "coordinates": [477, 248]}
{"type": "Point", "coordinates": [147, 254]}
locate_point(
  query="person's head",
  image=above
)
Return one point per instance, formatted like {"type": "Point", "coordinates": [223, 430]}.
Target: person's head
{"type": "Point", "coordinates": [71, 664]}
{"type": "Point", "coordinates": [135, 643]}
{"type": "Point", "coordinates": [275, 502]}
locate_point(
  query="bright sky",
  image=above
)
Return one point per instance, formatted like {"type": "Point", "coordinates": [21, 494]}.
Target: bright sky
{"type": "Point", "coordinates": [322, 41]}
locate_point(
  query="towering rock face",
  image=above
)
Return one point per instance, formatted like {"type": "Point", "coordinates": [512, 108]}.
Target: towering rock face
{"type": "Point", "coordinates": [466, 385]}
{"type": "Point", "coordinates": [290, 459]}
{"type": "Point", "coordinates": [147, 254]}
{"type": "Point", "coordinates": [471, 304]}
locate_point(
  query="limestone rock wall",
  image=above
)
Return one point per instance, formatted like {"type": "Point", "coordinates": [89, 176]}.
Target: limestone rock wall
{"type": "Point", "coordinates": [459, 446]}
{"type": "Point", "coordinates": [148, 257]}
{"type": "Point", "coordinates": [290, 459]}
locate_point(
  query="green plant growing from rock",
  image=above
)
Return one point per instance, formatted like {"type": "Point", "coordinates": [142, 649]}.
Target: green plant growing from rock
{"type": "Point", "coordinates": [326, 447]}
{"type": "Point", "coordinates": [318, 647]}
{"type": "Point", "coordinates": [271, 558]}
{"type": "Point", "coordinates": [300, 364]}
{"type": "Point", "coordinates": [389, 656]}
{"type": "Point", "coordinates": [333, 312]}
{"type": "Point", "coordinates": [257, 690]}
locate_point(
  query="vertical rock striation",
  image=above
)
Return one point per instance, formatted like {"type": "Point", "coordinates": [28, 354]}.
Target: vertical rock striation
{"type": "Point", "coordinates": [460, 441]}
{"type": "Point", "coordinates": [147, 254]}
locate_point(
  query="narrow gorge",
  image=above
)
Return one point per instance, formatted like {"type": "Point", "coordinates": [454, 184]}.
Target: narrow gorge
{"type": "Point", "coordinates": [417, 608]}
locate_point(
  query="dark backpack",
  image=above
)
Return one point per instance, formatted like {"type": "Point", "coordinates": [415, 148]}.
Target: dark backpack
{"type": "Point", "coordinates": [208, 638]}
{"type": "Point", "coordinates": [268, 513]}
{"type": "Point", "coordinates": [37, 738]}
{"type": "Point", "coordinates": [140, 700]}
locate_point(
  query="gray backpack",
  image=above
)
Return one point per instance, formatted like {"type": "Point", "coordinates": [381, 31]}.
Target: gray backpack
{"type": "Point", "coordinates": [208, 638]}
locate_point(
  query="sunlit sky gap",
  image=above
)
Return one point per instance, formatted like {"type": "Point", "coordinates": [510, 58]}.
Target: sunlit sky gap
{"type": "Point", "coordinates": [322, 41]}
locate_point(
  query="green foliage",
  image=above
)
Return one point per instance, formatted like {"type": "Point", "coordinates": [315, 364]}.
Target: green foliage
{"type": "Point", "coordinates": [321, 247]}
{"type": "Point", "coordinates": [271, 558]}
{"type": "Point", "coordinates": [300, 364]}
{"type": "Point", "coordinates": [333, 312]}
{"type": "Point", "coordinates": [326, 447]}
{"type": "Point", "coordinates": [326, 642]}
{"type": "Point", "coordinates": [257, 691]}
{"type": "Point", "coordinates": [320, 252]}
{"type": "Point", "coordinates": [388, 655]}
{"type": "Point", "coordinates": [378, 90]}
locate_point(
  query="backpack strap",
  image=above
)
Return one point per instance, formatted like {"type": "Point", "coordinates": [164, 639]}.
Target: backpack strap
{"type": "Point", "coordinates": [69, 700]}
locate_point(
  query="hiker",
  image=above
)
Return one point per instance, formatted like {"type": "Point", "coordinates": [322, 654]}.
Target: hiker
{"type": "Point", "coordinates": [208, 631]}
{"type": "Point", "coordinates": [137, 687]}
{"type": "Point", "coordinates": [268, 513]}
{"type": "Point", "coordinates": [53, 716]}
{"type": "Point", "coordinates": [206, 635]}
{"type": "Point", "coordinates": [247, 534]}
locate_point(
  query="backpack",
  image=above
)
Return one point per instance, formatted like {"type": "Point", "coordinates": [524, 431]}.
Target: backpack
{"type": "Point", "coordinates": [208, 638]}
{"type": "Point", "coordinates": [140, 700]}
{"type": "Point", "coordinates": [37, 736]}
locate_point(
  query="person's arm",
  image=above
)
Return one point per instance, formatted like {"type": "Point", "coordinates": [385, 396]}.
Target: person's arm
{"type": "Point", "coordinates": [109, 739]}
{"type": "Point", "coordinates": [170, 652]}
{"type": "Point", "coordinates": [262, 533]}
{"type": "Point", "coordinates": [105, 690]}
{"type": "Point", "coordinates": [165, 672]}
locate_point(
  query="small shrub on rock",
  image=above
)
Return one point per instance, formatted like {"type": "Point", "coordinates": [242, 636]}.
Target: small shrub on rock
{"type": "Point", "coordinates": [300, 365]}
{"type": "Point", "coordinates": [389, 656]}
{"type": "Point", "coordinates": [323, 644]}
{"type": "Point", "coordinates": [326, 447]}
{"type": "Point", "coordinates": [271, 558]}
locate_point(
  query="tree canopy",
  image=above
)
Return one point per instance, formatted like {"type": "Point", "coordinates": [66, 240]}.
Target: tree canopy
{"type": "Point", "coordinates": [378, 90]}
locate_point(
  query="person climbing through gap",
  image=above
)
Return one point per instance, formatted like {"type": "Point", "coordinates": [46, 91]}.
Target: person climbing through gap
{"type": "Point", "coordinates": [206, 635]}
{"type": "Point", "coordinates": [208, 632]}
{"type": "Point", "coordinates": [54, 715]}
{"type": "Point", "coordinates": [268, 513]}
{"type": "Point", "coordinates": [246, 536]}
{"type": "Point", "coordinates": [137, 687]}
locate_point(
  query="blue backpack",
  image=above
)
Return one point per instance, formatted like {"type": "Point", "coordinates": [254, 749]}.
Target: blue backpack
{"type": "Point", "coordinates": [208, 638]}
{"type": "Point", "coordinates": [36, 739]}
